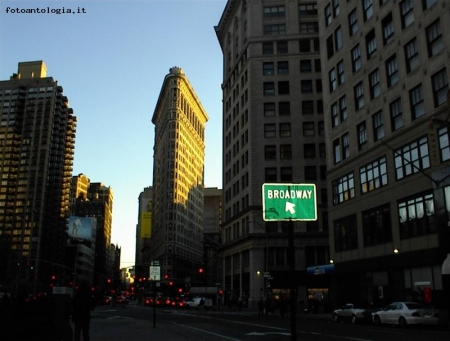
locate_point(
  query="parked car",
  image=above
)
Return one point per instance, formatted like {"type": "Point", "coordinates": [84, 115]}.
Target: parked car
{"type": "Point", "coordinates": [354, 314]}
{"type": "Point", "coordinates": [406, 313]}
{"type": "Point", "coordinates": [196, 303]}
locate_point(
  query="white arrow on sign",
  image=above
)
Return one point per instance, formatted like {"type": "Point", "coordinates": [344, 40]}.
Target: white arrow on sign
{"type": "Point", "coordinates": [290, 207]}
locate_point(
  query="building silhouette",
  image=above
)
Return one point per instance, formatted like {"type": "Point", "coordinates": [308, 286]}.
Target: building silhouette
{"type": "Point", "coordinates": [143, 233]}
{"type": "Point", "coordinates": [273, 132]}
{"type": "Point", "coordinates": [385, 67]}
{"type": "Point", "coordinates": [178, 179]}
{"type": "Point", "coordinates": [37, 134]}
{"type": "Point", "coordinates": [94, 199]}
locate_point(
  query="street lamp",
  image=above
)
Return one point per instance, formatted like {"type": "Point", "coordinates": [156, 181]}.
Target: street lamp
{"type": "Point", "coordinates": [266, 263]}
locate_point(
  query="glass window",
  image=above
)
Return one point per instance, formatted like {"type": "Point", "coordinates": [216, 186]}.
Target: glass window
{"type": "Point", "coordinates": [435, 42]}
{"type": "Point", "coordinates": [283, 88]}
{"type": "Point", "coordinates": [362, 135]}
{"type": "Point", "coordinates": [269, 88]}
{"type": "Point", "coordinates": [378, 126]}
{"type": "Point", "coordinates": [308, 129]}
{"type": "Point", "coordinates": [375, 86]}
{"type": "Point", "coordinates": [268, 48]}
{"type": "Point", "coordinates": [332, 79]}
{"type": "Point", "coordinates": [359, 96]}
{"type": "Point", "coordinates": [377, 228]}
{"type": "Point", "coordinates": [356, 58]}
{"type": "Point", "coordinates": [343, 108]}
{"type": "Point", "coordinates": [307, 9]}
{"type": "Point", "coordinates": [268, 68]}
{"type": "Point", "coordinates": [283, 68]}
{"type": "Point", "coordinates": [417, 102]}
{"type": "Point", "coordinates": [285, 152]}
{"type": "Point", "coordinates": [307, 107]}
{"type": "Point", "coordinates": [309, 27]}
{"type": "Point", "coordinates": [274, 29]}
{"type": "Point", "coordinates": [387, 25]}
{"type": "Point", "coordinates": [270, 130]}
{"type": "Point", "coordinates": [286, 173]}
{"type": "Point", "coordinates": [353, 22]}
{"type": "Point", "coordinates": [396, 111]}
{"type": "Point", "coordinates": [305, 65]}
{"type": "Point", "coordinates": [416, 216]}
{"type": "Point", "coordinates": [334, 115]}
{"type": "Point", "coordinates": [444, 145]}
{"type": "Point", "coordinates": [336, 151]}
{"type": "Point", "coordinates": [270, 152]}
{"type": "Point", "coordinates": [340, 71]}
{"type": "Point", "coordinates": [306, 86]}
{"type": "Point", "coordinates": [371, 44]}
{"type": "Point", "coordinates": [346, 234]}
{"type": "Point", "coordinates": [310, 173]}
{"type": "Point", "coordinates": [309, 150]}
{"type": "Point", "coordinates": [343, 189]}
{"type": "Point", "coordinates": [411, 55]}
{"type": "Point", "coordinates": [338, 38]}
{"type": "Point", "coordinates": [345, 146]}
{"type": "Point", "coordinates": [373, 175]}
{"type": "Point", "coordinates": [284, 108]}
{"type": "Point", "coordinates": [392, 71]}
{"type": "Point", "coordinates": [407, 13]}
{"type": "Point", "coordinates": [412, 158]}
{"type": "Point", "coordinates": [269, 109]}
{"type": "Point", "coordinates": [282, 47]}
{"type": "Point", "coordinates": [274, 12]}
{"type": "Point", "coordinates": [368, 9]}
{"type": "Point", "coordinates": [328, 15]}
{"type": "Point", "coordinates": [270, 174]}
{"type": "Point", "coordinates": [285, 129]}
{"type": "Point", "coordinates": [440, 87]}
{"type": "Point", "coordinates": [428, 3]}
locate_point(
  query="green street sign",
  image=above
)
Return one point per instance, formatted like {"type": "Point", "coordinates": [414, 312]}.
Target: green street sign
{"type": "Point", "coordinates": [289, 202]}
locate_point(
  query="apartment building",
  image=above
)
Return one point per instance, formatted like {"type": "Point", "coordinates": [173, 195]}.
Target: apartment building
{"type": "Point", "coordinates": [273, 132]}
{"type": "Point", "coordinates": [386, 69]}
{"type": "Point", "coordinates": [37, 139]}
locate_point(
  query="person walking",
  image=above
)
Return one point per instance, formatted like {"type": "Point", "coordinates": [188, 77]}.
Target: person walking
{"type": "Point", "coordinates": [83, 303]}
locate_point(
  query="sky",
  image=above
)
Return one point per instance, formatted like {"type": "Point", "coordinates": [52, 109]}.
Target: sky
{"type": "Point", "coordinates": [111, 61]}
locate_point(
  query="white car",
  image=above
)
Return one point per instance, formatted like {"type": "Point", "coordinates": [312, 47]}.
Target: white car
{"type": "Point", "coordinates": [195, 303]}
{"type": "Point", "coordinates": [405, 313]}
{"type": "Point", "coordinates": [349, 312]}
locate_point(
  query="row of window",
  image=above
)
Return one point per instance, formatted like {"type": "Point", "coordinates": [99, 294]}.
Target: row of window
{"type": "Point", "coordinates": [336, 75]}
{"type": "Point", "coordinates": [415, 218]}
{"type": "Point", "coordinates": [285, 151]}
{"type": "Point", "coordinates": [283, 87]}
{"type": "Point", "coordinates": [408, 160]}
{"type": "Point", "coordinates": [285, 174]}
{"type": "Point", "coordinates": [341, 146]}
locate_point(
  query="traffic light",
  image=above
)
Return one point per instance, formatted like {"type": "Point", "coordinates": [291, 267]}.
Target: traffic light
{"type": "Point", "coordinates": [166, 276]}
{"type": "Point", "coordinates": [180, 290]}
{"type": "Point", "coordinates": [200, 270]}
{"type": "Point", "coordinates": [109, 280]}
{"type": "Point", "coordinates": [170, 283]}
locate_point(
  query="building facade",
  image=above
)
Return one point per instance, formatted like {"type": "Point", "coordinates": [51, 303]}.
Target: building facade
{"type": "Point", "coordinates": [273, 132]}
{"type": "Point", "coordinates": [178, 180]}
{"type": "Point", "coordinates": [386, 69]}
{"type": "Point", "coordinates": [37, 134]}
{"type": "Point", "coordinates": [94, 199]}
{"type": "Point", "coordinates": [143, 233]}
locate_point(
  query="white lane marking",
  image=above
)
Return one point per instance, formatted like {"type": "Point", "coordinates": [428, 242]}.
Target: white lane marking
{"type": "Point", "coordinates": [119, 317]}
{"type": "Point", "coordinates": [208, 332]}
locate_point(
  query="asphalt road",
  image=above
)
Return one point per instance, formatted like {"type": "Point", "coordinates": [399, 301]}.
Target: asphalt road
{"type": "Point", "coordinates": [135, 322]}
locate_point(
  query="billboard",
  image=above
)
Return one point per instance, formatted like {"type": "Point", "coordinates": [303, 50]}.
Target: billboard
{"type": "Point", "coordinates": [82, 227]}
{"type": "Point", "coordinates": [146, 218]}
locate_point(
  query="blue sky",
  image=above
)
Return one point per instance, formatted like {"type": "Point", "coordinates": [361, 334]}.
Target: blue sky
{"type": "Point", "coordinates": [111, 62]}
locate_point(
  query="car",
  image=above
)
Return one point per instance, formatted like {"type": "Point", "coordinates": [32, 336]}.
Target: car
{"type": "Point", "coordinates": [107, 300]}
{"type": "Point", "coordinates": [122, 300]}
{"type": "Point", "coordinates": [349, 312]}
{"type": "Point", "coordinates": [196, 303]}
{"type": "Point", "coordinates": [406, 313]}
{"type": "Point", "coordinates": [148, 301]}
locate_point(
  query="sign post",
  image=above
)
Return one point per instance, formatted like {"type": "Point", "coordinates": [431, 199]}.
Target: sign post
{"type": "Point", "coordinates": [155, 275]}
{"type": "Point", "coordinates": [289, 202]}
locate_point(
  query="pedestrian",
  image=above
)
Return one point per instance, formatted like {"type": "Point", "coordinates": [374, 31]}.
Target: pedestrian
{"type": "Point", "coordinates": [261, 307]}
{"type": "Point", "coordinates": [83, 303]}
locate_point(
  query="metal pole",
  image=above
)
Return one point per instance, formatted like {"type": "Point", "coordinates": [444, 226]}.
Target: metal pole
{"type": "Point", "coordinates": [154, 302]}
{"type": "Point", "coordinates": [293, 291]}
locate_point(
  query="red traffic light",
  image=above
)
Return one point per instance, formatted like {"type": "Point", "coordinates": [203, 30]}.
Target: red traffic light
{"type": "Point", "coordinates": [180, 290]}
{"type": "Point", "coordinates": [53, 277]}
{"type": "Point", "coordinates": [109, 280]}
{"type": "Point", "coordinates": [200, 270]}
{"type": "Point", "coordinates": [166, 276]}
{"type": "Point", "coordinates": [170, 283]}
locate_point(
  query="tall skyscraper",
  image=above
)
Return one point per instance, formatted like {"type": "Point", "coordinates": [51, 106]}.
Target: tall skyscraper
{"type": "Point", "coordinates": [178, 180]}
{"type": "Point", "coordinates": [273, 132]}
{"type": "Point", "coordinates": [37, 139]}
{"type": "Point", "coordinates": [386, 69]}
